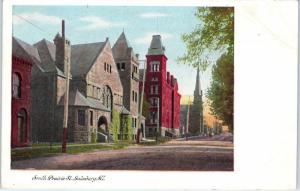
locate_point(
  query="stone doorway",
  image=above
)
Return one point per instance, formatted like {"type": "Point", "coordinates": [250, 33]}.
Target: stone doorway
{"type": "Point", "coordinates": [102, 130]}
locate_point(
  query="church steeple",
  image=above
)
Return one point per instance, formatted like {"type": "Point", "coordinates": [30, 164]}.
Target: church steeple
{"type": "Point", "coordinates": [198, 91]}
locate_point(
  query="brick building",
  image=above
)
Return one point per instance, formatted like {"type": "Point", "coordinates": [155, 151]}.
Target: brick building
{"type": "Point", "coordinates": [127, 65]}
{"type": "Point", "coordinates": [21, 71]}
{"type": "Point", "coordinates": [161, 90]}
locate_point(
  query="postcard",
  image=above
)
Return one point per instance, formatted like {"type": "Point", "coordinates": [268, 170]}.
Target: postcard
{"type": "Point", "coordinates": [149, 95]}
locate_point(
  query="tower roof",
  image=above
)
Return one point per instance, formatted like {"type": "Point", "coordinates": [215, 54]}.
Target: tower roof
{"type": "Point", "coordinates": [122, 48]}
{"type": "Point", "coordinates": [156, 46]}
{"type": "Point", "coordinates": [198, 84]}
{"type": "Point", "coordinates": [122, 41]}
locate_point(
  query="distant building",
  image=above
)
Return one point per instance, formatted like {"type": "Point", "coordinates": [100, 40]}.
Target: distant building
{"type": "Point", "coordinates": [161, 91]}
{"type": "Point", "coordinates": [127, 65]}
{"type": "Point", "coordinates": [196, 112]}
{"type": "Point", "coordinates": [20, 113]}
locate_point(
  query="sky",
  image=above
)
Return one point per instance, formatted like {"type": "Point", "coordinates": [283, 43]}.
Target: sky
{"type": "Point", "coordinates": [86, 24]}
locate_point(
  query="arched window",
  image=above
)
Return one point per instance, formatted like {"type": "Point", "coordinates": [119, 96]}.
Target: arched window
{"type": "Point", "coordinates": [22, 126]}
{"type": "Point", "coordinates": [16, 86]}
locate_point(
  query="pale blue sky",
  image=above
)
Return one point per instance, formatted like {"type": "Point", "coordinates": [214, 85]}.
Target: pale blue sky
{"type": "Point", "coordinates": [95, 23]}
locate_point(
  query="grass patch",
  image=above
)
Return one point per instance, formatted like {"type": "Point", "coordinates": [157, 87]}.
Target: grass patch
{"type": "Point", "coordinates": [28, 153]}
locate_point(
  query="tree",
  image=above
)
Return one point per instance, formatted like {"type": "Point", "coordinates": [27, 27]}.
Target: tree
{"type": "Point", "coordinates": [221, 90]}
{"type": "Point", "coordinates": [146, 107]}
{"type": "Point", "coordinates": [215, 33]}
{"type": "Point", "coordinates": [127, 128]}
{"type": "Point", "coordinates": [115, 125]}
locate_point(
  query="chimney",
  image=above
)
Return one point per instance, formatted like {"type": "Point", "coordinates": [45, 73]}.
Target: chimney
{"type": "Point", "coordinates": [168, 77]}
{"type": "Point", "coordinates": [63, 28]}
{"type": "Point", "coordinates": [63, 50]}
{"type": "Point", "coordinates": [137, 56]}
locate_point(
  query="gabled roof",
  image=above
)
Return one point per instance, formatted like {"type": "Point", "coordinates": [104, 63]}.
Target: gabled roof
{"type": "Point", "coordinates": [83, 57]}
{"type": "Point", "coordinates": [77, 99]}
{"type": "Point", "coordinates": [156, 46]}
{"type": "Point", "coordinates": [25, 51]}
{"type": "Point", "coordinates": [46, 51]}
{"type": "Point", "coordinates": [47, 46]}
{"type": "Point", "coordinates": [122, 40]}
{"type": "Point", "coordinates": [125, 111]}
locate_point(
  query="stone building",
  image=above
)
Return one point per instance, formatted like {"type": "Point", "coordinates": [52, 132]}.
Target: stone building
{"type": "Point", "coordinates": [161, 90]}
{"type": "Point", "coordinates": [20, 114]}
{"type": "Point", "coordinates": [95, 90]}
{"type": "Point", "coordinates": [127, 65]}
{"type": "Point", "coordinates": [196, 112]}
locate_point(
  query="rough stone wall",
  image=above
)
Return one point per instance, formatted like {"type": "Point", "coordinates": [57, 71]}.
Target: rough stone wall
{"type": "Point", "coordinates": [130, 82]}
{"type": "Point", "coordinates": [98, 75]}
{"type": "Point", "coordinates": [43, 97]}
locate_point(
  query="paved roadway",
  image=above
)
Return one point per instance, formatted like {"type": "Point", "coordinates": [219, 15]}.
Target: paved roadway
{"type": "Point", "coordinates": [197, 154]}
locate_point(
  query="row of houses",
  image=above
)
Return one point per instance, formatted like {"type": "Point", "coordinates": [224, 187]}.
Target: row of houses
{"type": "Point", "coordinates": [103, 79]}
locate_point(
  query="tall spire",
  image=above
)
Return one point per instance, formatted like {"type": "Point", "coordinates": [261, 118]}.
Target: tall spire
{"type": "Point", "coordinates": [198, 91]}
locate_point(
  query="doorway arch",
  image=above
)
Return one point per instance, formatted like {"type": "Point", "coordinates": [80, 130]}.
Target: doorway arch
{"type": "Point", "coordinates": [102, 124]}
{"type": "Point", "coordinates": [22, 126]}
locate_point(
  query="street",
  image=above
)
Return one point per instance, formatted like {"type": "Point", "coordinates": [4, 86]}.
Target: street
{"type": "Point", "coordinates": [197, 154]}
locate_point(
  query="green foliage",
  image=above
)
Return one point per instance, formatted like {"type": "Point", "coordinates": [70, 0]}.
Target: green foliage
{"type": "Point", "coordinates": [215, 33]}
{"type": "Point", "coordinates": [93, 137]}
{"type": "Point", "coordinates": [129, 128]}
{"type": "Point", "coordinates": [146, 106]}
{"type": "Point", "coordinates": [115, 125]}
{"type": "Point", "coordinates": [221, 89]}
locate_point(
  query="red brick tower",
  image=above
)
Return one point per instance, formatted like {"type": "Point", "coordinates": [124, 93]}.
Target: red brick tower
{"type": "Point", "coordinates": [161, 91]}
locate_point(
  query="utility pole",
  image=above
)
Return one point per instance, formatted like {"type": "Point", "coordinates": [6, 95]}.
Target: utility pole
{"type": "Point", "coordinates": [141, 101]}
{"type": "Point", "coordinates": [158, 126]}
{"type": "Point", "coordinates": [66, 98]}
{"type": "Point", "coordinates": [187, 120]}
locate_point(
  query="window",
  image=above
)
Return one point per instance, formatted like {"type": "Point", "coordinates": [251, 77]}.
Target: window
{"type": "Point", "coordinates": [153, 118]}
{"type": "Point", "coordinates": [104, 66]}
{"type": "Point", "coordinates": [118, 66]}
{"type": "Point", "coordinates": [154, 89]}
{"type": "Point", "coordinates": [154, 102]}
{"type": "Point", "coordinates": [123, 66]}
{"type": "Point", "coordinates": [91, 118]}
{"type": "Point", "coordinates": [109, 68]}
{"type": "Point", "coordinates": [134, 69]}
{"type": "Point", "coordinates": [16, 86]}
{"type": "Point", "coordinates": [135, 99]}
{"type": "Point", "coordinates": [154, 79]}
{"type": "Point", "coordinates": [154, 66]}
{"type": "Point", "coordinates": [81, 117]}
{"type": "Point", "coordinates": [98, 93]}
{"type": "Point", "coordinates": [132, 95]}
